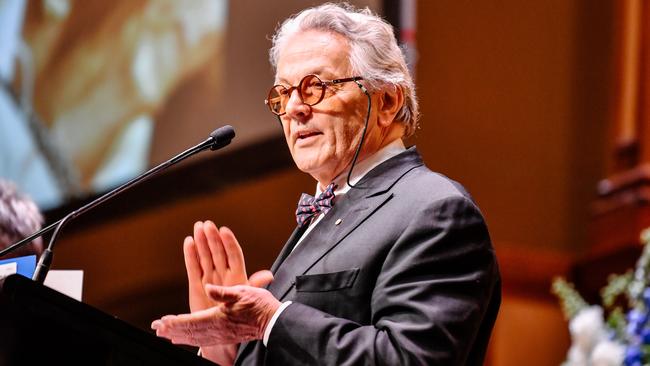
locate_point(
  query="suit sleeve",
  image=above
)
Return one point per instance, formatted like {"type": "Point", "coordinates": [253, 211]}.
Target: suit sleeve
{"type": "Point", "coordinates": [428, 304]}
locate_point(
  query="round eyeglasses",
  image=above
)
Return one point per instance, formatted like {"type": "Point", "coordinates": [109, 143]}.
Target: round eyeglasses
{"type": "Point", "coordinates": [311, 90]}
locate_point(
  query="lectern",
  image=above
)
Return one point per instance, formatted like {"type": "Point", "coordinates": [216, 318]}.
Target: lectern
{"type": "Point", "coordinates": [39, 326]}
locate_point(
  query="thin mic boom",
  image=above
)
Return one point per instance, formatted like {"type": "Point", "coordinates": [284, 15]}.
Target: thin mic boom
{"type": "Point", "coordinates": [218, 139]}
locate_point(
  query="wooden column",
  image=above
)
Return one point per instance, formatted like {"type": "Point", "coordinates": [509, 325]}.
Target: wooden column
{"type": "Point", "coordinates": [622, 208]}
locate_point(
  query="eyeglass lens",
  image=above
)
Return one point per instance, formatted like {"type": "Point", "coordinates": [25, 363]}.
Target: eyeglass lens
{"type": "Point", "coordinates": [311, 90]}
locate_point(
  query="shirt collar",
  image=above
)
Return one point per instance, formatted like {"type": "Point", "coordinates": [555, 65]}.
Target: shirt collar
{"type": "Point", "coordinates": [363, 167]}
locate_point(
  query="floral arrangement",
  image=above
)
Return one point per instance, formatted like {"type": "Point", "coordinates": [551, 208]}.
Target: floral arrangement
{"type": "Point", "coordinates": [618, 332]}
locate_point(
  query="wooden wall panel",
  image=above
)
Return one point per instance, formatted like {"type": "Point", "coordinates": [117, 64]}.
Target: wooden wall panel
{"type": "Point", "coordinates": [515, 106]}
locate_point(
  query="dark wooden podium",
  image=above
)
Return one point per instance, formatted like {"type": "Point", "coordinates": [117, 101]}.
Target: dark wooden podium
{"type": "Point", "coordinates": [39, 326]}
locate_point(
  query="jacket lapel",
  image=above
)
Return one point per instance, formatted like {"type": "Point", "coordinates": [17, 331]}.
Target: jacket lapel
{"type": "Point", "coordinates": [321, 240]}
{"type": "Point", "coordinates": [351, 211]}
{"type": "Point", "coordinates": [288, 247]}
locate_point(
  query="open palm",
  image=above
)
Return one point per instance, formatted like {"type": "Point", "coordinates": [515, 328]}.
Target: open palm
{"type": "Point", "coordinates": [213, 256]}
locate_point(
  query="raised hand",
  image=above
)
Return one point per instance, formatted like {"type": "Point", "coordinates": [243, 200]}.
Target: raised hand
{"type": "Point", "coordinates": [213, 256]}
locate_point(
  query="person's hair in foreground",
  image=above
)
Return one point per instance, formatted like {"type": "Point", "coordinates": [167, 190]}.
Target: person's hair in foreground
{"type": "Point", "coordinates": [19, 217]}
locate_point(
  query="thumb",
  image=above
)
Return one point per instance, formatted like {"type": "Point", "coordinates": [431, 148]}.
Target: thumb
{"type": "Point", "coordinates": [260, 278]}
{"type": "Point", "coordinates": [222, 293]}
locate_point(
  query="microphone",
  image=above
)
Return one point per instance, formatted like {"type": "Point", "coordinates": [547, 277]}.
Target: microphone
{"type": "Point", "coordinates": [218, 139]}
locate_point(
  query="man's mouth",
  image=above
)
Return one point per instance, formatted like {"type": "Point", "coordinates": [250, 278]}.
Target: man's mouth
{"type": "Point", "coordinates": [307, 134]}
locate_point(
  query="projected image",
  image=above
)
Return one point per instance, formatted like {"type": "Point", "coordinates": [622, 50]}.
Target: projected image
{"type": "Point", "coordinates": [82, 84]}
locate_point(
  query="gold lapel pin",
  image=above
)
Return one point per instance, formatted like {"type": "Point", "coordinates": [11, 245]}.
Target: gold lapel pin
{"type": "Point", "coordinates": [338, 221]}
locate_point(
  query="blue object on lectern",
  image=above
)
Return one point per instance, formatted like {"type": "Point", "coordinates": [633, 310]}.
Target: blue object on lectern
{"type": "Point", "coordinates": [24, 265]}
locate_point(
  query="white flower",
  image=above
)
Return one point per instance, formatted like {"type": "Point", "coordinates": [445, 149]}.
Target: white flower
{"type": "Point", "coordinates": [587, 328]}
{"type": "Point", "coordinates": [608, 353]}
{"type": "Point", "coordinates": [576, 357]}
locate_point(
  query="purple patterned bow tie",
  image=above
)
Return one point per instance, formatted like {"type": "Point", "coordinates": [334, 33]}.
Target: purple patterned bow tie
{"type": "Point", "coordinates": [310, 206]}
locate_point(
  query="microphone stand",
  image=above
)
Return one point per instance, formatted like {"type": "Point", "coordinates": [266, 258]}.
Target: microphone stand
{"type": "Point", "coordinates": [219, 138]}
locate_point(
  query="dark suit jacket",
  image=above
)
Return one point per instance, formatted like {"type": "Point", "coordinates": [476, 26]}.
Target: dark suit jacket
{"type": "Point", "coordinates": [407, 277]}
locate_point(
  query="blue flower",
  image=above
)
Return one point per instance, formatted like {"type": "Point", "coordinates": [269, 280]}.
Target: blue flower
{"type": "Point", "coordinates": [633, 356]}
{"type": "Point", "coordinates": [645, 336]}
{"type": "Point", "coordinates": [636, 320]}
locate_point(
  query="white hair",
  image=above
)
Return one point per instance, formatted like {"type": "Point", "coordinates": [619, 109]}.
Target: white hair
{"type": "Point", "coordinates": [19, 218]}
{"type": "Point", "coordinates": [374, 53]}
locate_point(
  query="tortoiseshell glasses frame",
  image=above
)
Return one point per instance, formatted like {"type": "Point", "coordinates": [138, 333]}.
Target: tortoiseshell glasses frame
{"type": "Point", "coordinates": [311, 90]}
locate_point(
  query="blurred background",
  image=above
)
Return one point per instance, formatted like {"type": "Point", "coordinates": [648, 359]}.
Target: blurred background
{"type": "Point", "coordinates": [541, 109]}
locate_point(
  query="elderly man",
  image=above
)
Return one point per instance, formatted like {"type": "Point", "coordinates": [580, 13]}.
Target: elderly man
{"type": "Point", "coordinates": [391, 264]}
{"type": "Point", "coordinates": [19, 217]}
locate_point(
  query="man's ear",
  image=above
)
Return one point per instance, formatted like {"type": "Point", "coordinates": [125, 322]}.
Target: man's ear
{"type": "Point", "coordinates": [390, 101]}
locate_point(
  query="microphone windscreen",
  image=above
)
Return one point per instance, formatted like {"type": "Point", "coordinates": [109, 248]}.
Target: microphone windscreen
{"type": "Point", "coordinates": [222, 136]}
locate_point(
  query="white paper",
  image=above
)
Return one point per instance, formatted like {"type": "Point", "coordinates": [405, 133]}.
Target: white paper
{"type": "Point", "coordinates": [67, 282]}
{"type": "Point", "coordinates": [8, 269]}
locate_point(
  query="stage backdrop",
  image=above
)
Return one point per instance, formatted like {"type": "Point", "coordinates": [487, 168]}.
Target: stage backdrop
{"type": "Point", "coordinates": [94, 92]}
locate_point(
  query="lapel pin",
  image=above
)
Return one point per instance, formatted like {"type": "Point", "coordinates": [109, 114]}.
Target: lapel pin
{"type": "Point", "coordinates": [338, 221]}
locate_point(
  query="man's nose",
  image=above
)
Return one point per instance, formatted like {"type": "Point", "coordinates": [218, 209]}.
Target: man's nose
{"type": "Point", "coordinates": [295, 107]}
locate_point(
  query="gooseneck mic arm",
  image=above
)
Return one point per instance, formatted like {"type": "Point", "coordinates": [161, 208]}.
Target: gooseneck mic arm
{"type": "Point", "coordinates": [218, 139]}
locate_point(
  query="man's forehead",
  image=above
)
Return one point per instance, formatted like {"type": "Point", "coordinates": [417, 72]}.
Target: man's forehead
{"type": "Point", "coordinates": [289, 76]}
{"type": "Point", "coordinates": [314, 52]}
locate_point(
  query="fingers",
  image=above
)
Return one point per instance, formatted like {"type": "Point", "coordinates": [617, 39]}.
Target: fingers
{"type": "Point", "coordinates": [162, 323]}
{"type": "Point", "coordinates": [197, 297]}
{"type": "Point", "coordinates": [233, 252]}
{"type": "Point", "coordinates": [223, 293]}
{"type": "Point", "coordinates": [193, 329]}
{"type": "Point", "coordinates": [215, 246]}
{"type": "Point", "coordinates": [201, 241]}
{"type": "Point", "coordinates": [156, 324]}
{"type": "Point", "coordinates": [219, 256]}
{"type": "Point", "coordinates": [192, 265]}
{"type": "Point", "coordinates": [260, 278]}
